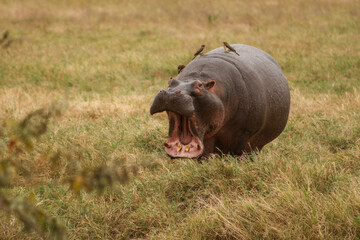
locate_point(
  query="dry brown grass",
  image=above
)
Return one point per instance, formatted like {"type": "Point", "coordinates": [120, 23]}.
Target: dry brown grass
{"type": "Point", "coordinates": [107, 59]}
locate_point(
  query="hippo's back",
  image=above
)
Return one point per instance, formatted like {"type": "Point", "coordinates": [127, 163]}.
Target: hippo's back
{"type": "Point", "coordinates": [249, 53]}
{"type": "Point", "coordinates": [267, 88]}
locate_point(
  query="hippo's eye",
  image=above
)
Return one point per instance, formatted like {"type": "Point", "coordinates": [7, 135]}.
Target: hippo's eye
{"type": "Point", "coordinates": [200, 85]}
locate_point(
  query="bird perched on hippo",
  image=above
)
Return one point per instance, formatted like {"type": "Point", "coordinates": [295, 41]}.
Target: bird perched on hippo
{"type": "Point", "coordinates": [222, 102]}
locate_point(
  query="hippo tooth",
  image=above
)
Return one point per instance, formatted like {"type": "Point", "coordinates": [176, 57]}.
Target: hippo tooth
{"type": "Point", "coordinates": [179, 148]}
{"type": "Point", "coordinates": [187, 148]}
{"type": "Point", "coordinates": [167, 145]}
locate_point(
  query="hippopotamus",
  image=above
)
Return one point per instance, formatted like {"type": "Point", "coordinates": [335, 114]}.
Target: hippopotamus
{"type": "Point", "coordinates": [225, 103]}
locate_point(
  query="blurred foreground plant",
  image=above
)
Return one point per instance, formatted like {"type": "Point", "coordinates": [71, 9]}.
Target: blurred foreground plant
{"type": "Point", "coordinates": [99, 178]}
{"type": "Point", "coordinates": [33, 218]}
{"type": "Point", "coordinates": [20, 137]}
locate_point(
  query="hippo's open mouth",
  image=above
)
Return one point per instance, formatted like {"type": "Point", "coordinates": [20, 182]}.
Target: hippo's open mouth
{"type": "Point", "coordinates": [183, 140]}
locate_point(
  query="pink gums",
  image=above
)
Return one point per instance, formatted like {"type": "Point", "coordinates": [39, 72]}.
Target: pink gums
{"type": "Point", "coordinates": [182, 142]}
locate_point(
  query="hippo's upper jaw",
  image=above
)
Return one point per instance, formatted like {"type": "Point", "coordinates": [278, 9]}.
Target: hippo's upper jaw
{"type": "Point", "coordinates": [174, 101]}
{"type": "Point", "coordinates": [183, 140]}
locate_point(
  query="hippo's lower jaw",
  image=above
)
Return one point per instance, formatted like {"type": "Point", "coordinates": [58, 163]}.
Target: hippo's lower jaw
{"type": "Point", "coordinates": [183, 141]}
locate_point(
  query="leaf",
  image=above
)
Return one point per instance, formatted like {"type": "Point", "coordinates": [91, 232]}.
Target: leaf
{"type": "Point", "coordinates": [12, 144]}
{"type": "Point", "coordinates": [28, 144]}
{"type": "Point", "coordinates": [77, 183]}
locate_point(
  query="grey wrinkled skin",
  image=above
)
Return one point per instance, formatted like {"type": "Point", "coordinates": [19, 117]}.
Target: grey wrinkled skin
{"type": "Point", "coordinates": [169, 100]}
{"type": "Point", "coordinates": [246, 108]}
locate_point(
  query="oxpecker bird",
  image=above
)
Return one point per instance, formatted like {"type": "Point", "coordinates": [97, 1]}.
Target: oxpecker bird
{"type": "Point", "coordinates": [180, 68]}
{"type": "Point", "coordinates": [229, 48]}
{"type": "Point", "coordinates": [200, 51]}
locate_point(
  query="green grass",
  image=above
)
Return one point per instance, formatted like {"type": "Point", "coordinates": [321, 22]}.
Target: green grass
{"type": "Point", "coordinates": [108, 59]}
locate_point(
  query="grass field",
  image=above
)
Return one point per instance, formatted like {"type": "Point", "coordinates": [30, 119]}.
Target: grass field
{"type": "Point", "coordinates": [108, 59]}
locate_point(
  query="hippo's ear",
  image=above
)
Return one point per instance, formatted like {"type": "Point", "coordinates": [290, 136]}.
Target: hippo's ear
{"type": "Point", "coordinates": [210, 84]}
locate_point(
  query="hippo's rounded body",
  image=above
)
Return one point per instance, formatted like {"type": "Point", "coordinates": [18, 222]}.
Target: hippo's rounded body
{"type": "Point", "coordinates": [225, 103]}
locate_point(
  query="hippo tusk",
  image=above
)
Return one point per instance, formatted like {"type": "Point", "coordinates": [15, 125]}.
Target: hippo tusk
{"type": "Point", "coordinates": [187, 148]}
{"type": "Point", "coordinates": [179, 148]}
{"type": "Point", "coordinates": [167, 145]}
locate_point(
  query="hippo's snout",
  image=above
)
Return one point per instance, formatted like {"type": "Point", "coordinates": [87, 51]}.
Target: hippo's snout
{"type": "Point", "coordinates": [174, 102]}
